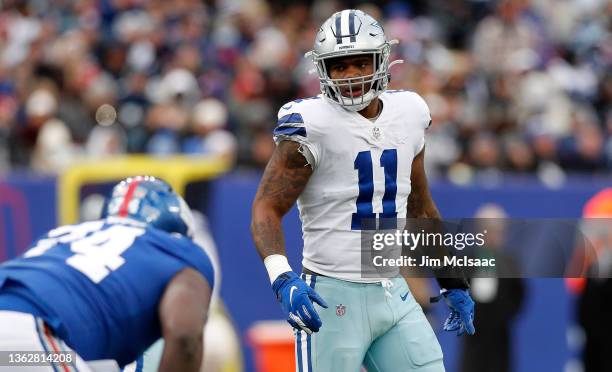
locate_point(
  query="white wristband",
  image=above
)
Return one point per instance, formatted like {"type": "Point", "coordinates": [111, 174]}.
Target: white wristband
{"type": "Point", "coordinates": [276, 264]}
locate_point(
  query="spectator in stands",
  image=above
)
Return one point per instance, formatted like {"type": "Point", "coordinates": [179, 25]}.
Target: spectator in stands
{"type": "Point", "coordinates": [208, 135]}
{"type": "Point", "coordinates": [43, 141]}
{"type": "Point", "coordinates": [513, 69]}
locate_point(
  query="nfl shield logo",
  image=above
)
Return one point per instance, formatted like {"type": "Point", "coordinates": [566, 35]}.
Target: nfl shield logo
{"type": "Point", "coordinates": [340, 310]}
{"type": "Point", "coordinates": [376, 132]}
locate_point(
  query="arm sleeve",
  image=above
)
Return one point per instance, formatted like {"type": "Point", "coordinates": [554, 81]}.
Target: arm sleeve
{"type": "Point", "coordinates": [291, 127]}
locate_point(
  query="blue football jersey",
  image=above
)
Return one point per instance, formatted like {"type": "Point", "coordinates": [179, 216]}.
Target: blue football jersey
{"type": "Point", "coordinates": [99, 284]}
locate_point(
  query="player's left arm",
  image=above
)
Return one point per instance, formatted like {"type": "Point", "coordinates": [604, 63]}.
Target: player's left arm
{"type": "Point", "coordinates": [420, 202]}
{"type": "Point", "coordinates": [454, 286]}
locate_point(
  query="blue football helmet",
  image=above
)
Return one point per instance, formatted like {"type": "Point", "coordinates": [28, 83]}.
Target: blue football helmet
{"type": "Point", "coordinates": [152, 201]}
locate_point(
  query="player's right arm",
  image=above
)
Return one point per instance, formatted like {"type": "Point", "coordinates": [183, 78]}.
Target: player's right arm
{"type": "Point", "coordinates": [284, 179]}
{"type": "Point", "coordinates": [182, 311]}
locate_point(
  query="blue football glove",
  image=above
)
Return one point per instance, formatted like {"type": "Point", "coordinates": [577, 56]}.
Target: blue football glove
{"type": "Point", "coordinates": [461, 318]}
{"type": "Point", "coordinates": [296, 299]}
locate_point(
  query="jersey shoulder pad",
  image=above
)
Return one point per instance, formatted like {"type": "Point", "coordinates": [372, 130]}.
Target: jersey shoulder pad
{"type": "Point", "coordinates": [183, 249]}
{"type": "Point", "coordinates": [411, 102]}
{"type": "Point", "coordinates": [299, 121]}
{"type": "Point", "coordinates": [172, 239]}
{"type": "Point", "coordinates": [300, 105]}
{"type": "Point", "coordinates": [294, 116]}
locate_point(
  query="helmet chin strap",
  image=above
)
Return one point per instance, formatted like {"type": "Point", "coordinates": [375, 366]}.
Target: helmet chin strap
{"type": "Point", "coordinates": [367, 98]}
{"type": "Point", "coordinates": [356, 108]}
{"type": "Point", "coordinates": [333, 93]}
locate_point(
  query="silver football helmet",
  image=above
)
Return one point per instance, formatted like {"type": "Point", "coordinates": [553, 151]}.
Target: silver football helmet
{"type": "Point", "coordinates": [352, 32]}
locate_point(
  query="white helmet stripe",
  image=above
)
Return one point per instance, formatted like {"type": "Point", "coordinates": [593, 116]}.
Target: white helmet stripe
{"type": "Point", "coordinates": [345, 24]}
{"type": "Point", "coordinates": [352, 26]}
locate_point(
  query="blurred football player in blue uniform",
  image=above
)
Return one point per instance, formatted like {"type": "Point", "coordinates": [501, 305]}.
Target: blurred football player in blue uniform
{"type": "Point", "coordinates": [108, 289]}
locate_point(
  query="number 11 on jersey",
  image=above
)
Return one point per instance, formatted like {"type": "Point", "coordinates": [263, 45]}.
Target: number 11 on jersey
{"type": "Point", "coordinates": [365, 218]}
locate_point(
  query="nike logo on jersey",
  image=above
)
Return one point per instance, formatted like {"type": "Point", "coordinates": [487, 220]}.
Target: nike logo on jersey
{"type": "Point", "coordinates": [403, 297]}
{"type": "Point", "coordinates": [293, 288]}
{"type": "Point", "coordinates": [287, 107]}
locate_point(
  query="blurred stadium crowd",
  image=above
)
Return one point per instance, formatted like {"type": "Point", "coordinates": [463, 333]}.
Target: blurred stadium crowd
{"type": "Point", "coordinates": [513, 85]}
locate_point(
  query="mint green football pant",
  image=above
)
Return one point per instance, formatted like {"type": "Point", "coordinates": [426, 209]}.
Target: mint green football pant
{"type": "Point", "coordinates": [383, 329]}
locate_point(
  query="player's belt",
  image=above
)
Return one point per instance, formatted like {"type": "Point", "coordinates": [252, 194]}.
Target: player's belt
{"type": "Point", "coordinates": [310, 272]}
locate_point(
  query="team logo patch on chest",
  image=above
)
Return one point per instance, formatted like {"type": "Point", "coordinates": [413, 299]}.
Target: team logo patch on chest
{"type": "Point", "coordinates": [340, 310]}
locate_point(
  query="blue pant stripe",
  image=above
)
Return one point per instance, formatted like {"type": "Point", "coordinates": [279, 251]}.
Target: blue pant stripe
{"type": "Point", "coordinates": [139, 363]}
{"type": "Point", "coordinates": [308, 353]}
{"type": "Point", "coordinates": [313, 280]}
{"type": "Point", "coordinates": [298, 350]}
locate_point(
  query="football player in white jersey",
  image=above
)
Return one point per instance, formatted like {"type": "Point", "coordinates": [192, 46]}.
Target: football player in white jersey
{"type": "Point", "coordinates": [353, 153]}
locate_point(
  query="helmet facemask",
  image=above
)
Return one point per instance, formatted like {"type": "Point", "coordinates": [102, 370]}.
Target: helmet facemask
{"type": "Point", "coordinates": [347, 33]}
{"type": "Point", "coordinates": [340, 90]}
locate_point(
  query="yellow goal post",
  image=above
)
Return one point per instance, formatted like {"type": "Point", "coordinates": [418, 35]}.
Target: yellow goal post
{"type": "Point", "coordinates": [177, 170]}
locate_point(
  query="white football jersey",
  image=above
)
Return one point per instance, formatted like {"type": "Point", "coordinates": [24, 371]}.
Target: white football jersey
{"type": "Point", "coordinates": [361, 170]}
